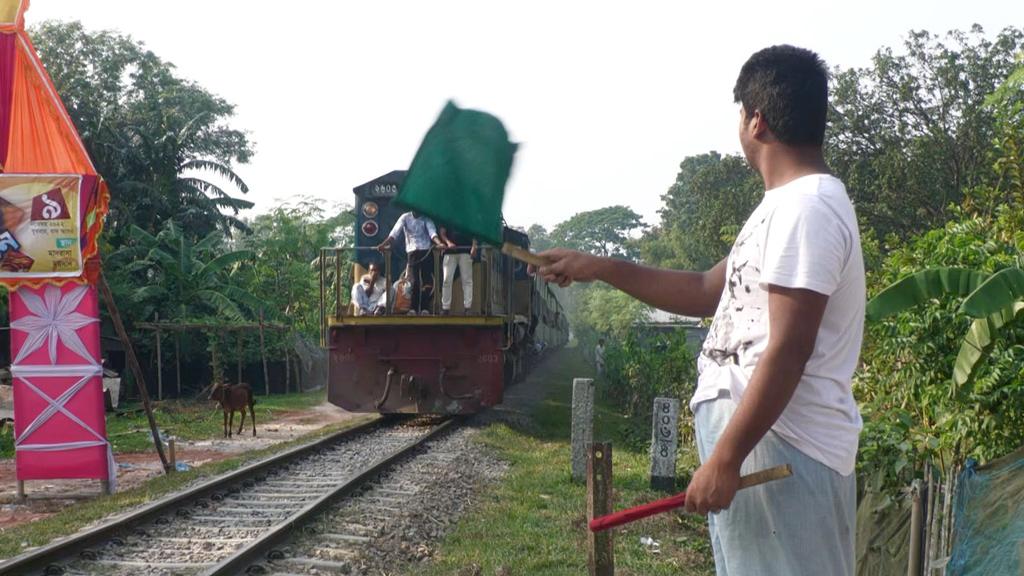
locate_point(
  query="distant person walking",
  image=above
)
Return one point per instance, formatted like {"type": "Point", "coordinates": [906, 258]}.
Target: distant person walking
{"type": "Point", "coordinates": [599, 357]}
{"type": "Point", "coordinates": [420, 236]}
{"type": "Point", "coordinates": [776, 367]}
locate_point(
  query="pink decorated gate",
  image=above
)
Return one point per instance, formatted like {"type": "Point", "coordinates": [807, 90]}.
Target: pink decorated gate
{"type": "Point", "coordinates": [52, 205]}
{"type": "Point", "coordinates": [59, 424]}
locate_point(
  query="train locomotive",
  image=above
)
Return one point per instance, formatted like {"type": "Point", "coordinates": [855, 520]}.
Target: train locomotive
{"type": "Point", "coordinates": [430, 363]}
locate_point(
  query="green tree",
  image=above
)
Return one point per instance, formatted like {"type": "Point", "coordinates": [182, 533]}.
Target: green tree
{"type": "Point", "coordinates": [540, 240]}
{"type": "Point", "coordinates": [182, 280]}
{"type": "Point", "coordinates": [155, 137]}
{"type": "Point", "coordinates": [605, 232]}
{"type": "Point", "coordinates": [286, 245]}
{"type": "Point", "coordinates": [942, 380]}
{"type": "Point", "coordinates": [711, 197]}
{"type": "Point", "coordinates": [911, 133]}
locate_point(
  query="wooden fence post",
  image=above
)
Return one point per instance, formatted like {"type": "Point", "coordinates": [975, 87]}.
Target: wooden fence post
{"type": "Point", "coordinates": [238, 353]}
{"type": "Point", "coordinates": [664, 444]}
{"type": "Point", "coordinates": [600, 553]}
{"type": "Point", "coordinates": [916, 529]}
{"type": "Point", "coordinates": [177, 360]}
{"type": "Point", "coordinates": [1021, 557]}
{"type": "Point", "coordinates": [263, 358]}
{"type": "Point", "coordinates": [287, 371]}
{"type": "Point", "coordinates": [582, 425]}
{"type": "Point", "coordinates": [159, 365]}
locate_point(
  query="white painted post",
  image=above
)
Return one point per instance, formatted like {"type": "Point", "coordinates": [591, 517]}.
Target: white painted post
{"type": "Point", "coordinates": [582, 425]}
{"type": "Point", "coordinates": [664, 444]}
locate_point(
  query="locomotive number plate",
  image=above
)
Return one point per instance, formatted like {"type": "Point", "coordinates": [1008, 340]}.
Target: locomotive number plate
{"type": "Point", "coordinates": [488, 359]}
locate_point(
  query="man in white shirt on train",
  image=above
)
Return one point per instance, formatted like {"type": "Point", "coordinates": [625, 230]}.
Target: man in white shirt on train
{"type": "Point", "coordinates": [777, 365]}
{"type": "Point", "coordinates": [420, 236]}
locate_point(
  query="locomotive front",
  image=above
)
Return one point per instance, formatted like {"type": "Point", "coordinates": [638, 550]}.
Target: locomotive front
{"type": "Point", "coordinates": [429, 363]}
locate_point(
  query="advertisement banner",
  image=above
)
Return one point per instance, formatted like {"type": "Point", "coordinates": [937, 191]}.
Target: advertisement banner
{"type": "Point", "coordinates": [40, 226]}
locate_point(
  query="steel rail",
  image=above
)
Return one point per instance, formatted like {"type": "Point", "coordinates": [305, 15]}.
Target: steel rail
{"type": "Point", "coordinates": [41, 558]}
{"type": "Point", "coordinates": [257, 549]}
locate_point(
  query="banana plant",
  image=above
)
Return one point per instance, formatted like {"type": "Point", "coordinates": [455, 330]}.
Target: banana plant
{"type": "Point", "coordinates": [992, 300]}
{"type": "Point", "coordinates": [182, 278]}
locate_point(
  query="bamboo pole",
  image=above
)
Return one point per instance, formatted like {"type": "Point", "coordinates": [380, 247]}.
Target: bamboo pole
{"type": "Point", "coordinates": [947, 515]}
{"type": "Point", "coordinates": [928, 511]}
{"type": "Point", "coordinates": [287, 369]}
{"type": "Point", "coordinates": [238, 350]}
{"type": "Point", "coordinates": [177, 361]}
{"type": "Point", "coordinates": [947, 509]}
{"type": "Point", "coordinates": [215, 365]}
{"type": "Point", "coordinates": [159, 366]}
{"type": "Point", "coordinates": [133, 363]}
{"type": "Point", "coordinates": [916, 522]}
{"type": "Point", "coordinates": [933, 523]}
{"type": "Point", "coordinates": [263, 358]}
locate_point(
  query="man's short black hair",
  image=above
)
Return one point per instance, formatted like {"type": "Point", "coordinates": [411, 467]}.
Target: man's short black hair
{"type": "Point", "coordinates": [789, 86]}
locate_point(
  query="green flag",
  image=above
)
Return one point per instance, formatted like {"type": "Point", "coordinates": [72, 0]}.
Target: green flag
{"type": "Point", "coordinates": [459, 173]}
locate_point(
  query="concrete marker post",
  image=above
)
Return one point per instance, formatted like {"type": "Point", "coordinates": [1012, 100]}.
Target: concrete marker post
{"type": "Point", "coordinates": [582, 425]}
{"type": "Point", "coordinates": [664, 444]}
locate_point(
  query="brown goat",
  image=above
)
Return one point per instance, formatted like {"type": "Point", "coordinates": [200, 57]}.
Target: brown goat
{"type": "Point", "coordinates": [231, 398]}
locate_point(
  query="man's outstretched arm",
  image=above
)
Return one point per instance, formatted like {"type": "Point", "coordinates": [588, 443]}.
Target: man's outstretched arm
{"type": "Point", "coordinates": [676, 291]}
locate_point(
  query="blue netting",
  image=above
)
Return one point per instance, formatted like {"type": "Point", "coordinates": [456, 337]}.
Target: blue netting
{"type": "Point", "coordinates": [989, 519]}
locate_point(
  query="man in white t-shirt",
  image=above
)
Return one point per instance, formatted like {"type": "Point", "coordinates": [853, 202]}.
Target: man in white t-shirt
{"type": "Point", "coordinates": [776, 367]}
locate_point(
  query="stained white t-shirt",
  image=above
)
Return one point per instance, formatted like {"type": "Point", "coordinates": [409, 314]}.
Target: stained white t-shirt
{"type": "Point", "coordinates": [803, 235]}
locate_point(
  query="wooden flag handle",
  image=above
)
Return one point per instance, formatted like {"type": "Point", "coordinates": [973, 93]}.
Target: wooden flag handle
{"type": "Point", "coordinates": [523, 255]}
{"type": "Point", "coordinates": [665, 504]}
{"type": "Point", "coordinates": [766, 475]}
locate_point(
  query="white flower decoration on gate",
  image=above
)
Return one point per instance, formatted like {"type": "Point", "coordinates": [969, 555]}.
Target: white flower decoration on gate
{"type": "Point", "coordinates": [54, 319]}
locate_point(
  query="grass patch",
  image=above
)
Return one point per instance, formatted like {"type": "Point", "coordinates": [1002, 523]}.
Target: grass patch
{"type": "Point", "coordinates": [534, 521]}
{"type": "Point", "coordinates": [195, 420]}
{"type": "Point", "coordinates": [15, 540]}
{"type": "Point", "coordinates": [128, 429]}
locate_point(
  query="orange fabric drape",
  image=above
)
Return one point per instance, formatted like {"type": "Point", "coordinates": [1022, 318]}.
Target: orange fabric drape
{"type": "Point", "coordinates": [42, 138]}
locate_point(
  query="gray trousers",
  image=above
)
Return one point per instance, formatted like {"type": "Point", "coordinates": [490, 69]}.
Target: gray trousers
{"type": "Point", "coordinates": [803, 525]}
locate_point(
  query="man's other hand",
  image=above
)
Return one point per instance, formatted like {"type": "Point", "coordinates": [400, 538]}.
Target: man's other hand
{"type": "Point", "coordinates": [567, 266]}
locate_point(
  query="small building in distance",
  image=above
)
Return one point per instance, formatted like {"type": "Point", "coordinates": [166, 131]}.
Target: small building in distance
{"type": "Point", "coordinates": [659, 321]}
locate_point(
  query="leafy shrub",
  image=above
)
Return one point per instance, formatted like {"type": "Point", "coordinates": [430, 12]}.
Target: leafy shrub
{"type": "Point", "coordinates": [641, 366]}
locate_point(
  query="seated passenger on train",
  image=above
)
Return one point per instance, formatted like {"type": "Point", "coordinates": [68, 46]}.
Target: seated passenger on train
{"type": "Point", "coordinates": [460, 253]}
{"type": "Point", "coordinates": [401, 293]}
{"type": "Point", "coordinates": [370, 294]}
{"type": "Point", "coordinates": [420, 236]}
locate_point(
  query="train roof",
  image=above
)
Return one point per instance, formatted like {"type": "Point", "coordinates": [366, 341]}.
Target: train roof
{"type": "Point", "coordinates": [395, 177]}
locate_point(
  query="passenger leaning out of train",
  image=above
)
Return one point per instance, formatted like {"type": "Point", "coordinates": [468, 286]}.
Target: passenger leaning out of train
{"type": "Point", "coordinates": [460, 253]}
{"type": "Point", "coordinates": [420, 236]}
{"type": "Point", "coordinates": [370, 294]}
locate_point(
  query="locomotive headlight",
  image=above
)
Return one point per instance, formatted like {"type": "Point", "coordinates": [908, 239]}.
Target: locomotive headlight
{"type": "Point", "coordinates": [370, 209]}
{"type": "Point", "coordinates": [370, 228]}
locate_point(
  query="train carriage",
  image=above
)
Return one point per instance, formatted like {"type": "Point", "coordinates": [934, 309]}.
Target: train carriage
{"type": "Point", "coordinates": [430, 364]}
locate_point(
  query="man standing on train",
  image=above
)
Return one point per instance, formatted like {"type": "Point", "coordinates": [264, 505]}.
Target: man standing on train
{"type": "Point", "coordinates": [460, 253]}
{"type": "Point", "coordinates": [776, 367]}
{"type": "Point", "coordinates": [420, 236]}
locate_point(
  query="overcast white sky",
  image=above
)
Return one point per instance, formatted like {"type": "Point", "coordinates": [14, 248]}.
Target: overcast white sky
{"type": "Point", "coordinates": [606, 98]}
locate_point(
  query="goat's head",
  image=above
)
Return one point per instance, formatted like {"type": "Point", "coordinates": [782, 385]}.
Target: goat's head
{"type": "Point", "coordinates": [218, 392]}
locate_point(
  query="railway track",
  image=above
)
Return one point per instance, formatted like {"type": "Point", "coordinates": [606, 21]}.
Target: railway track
{"type": "Point", "coordinates": [237, 524]}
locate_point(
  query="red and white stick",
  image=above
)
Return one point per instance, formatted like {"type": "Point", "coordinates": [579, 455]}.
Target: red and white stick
{"type": "Point", "coordinates": [679, 500]}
